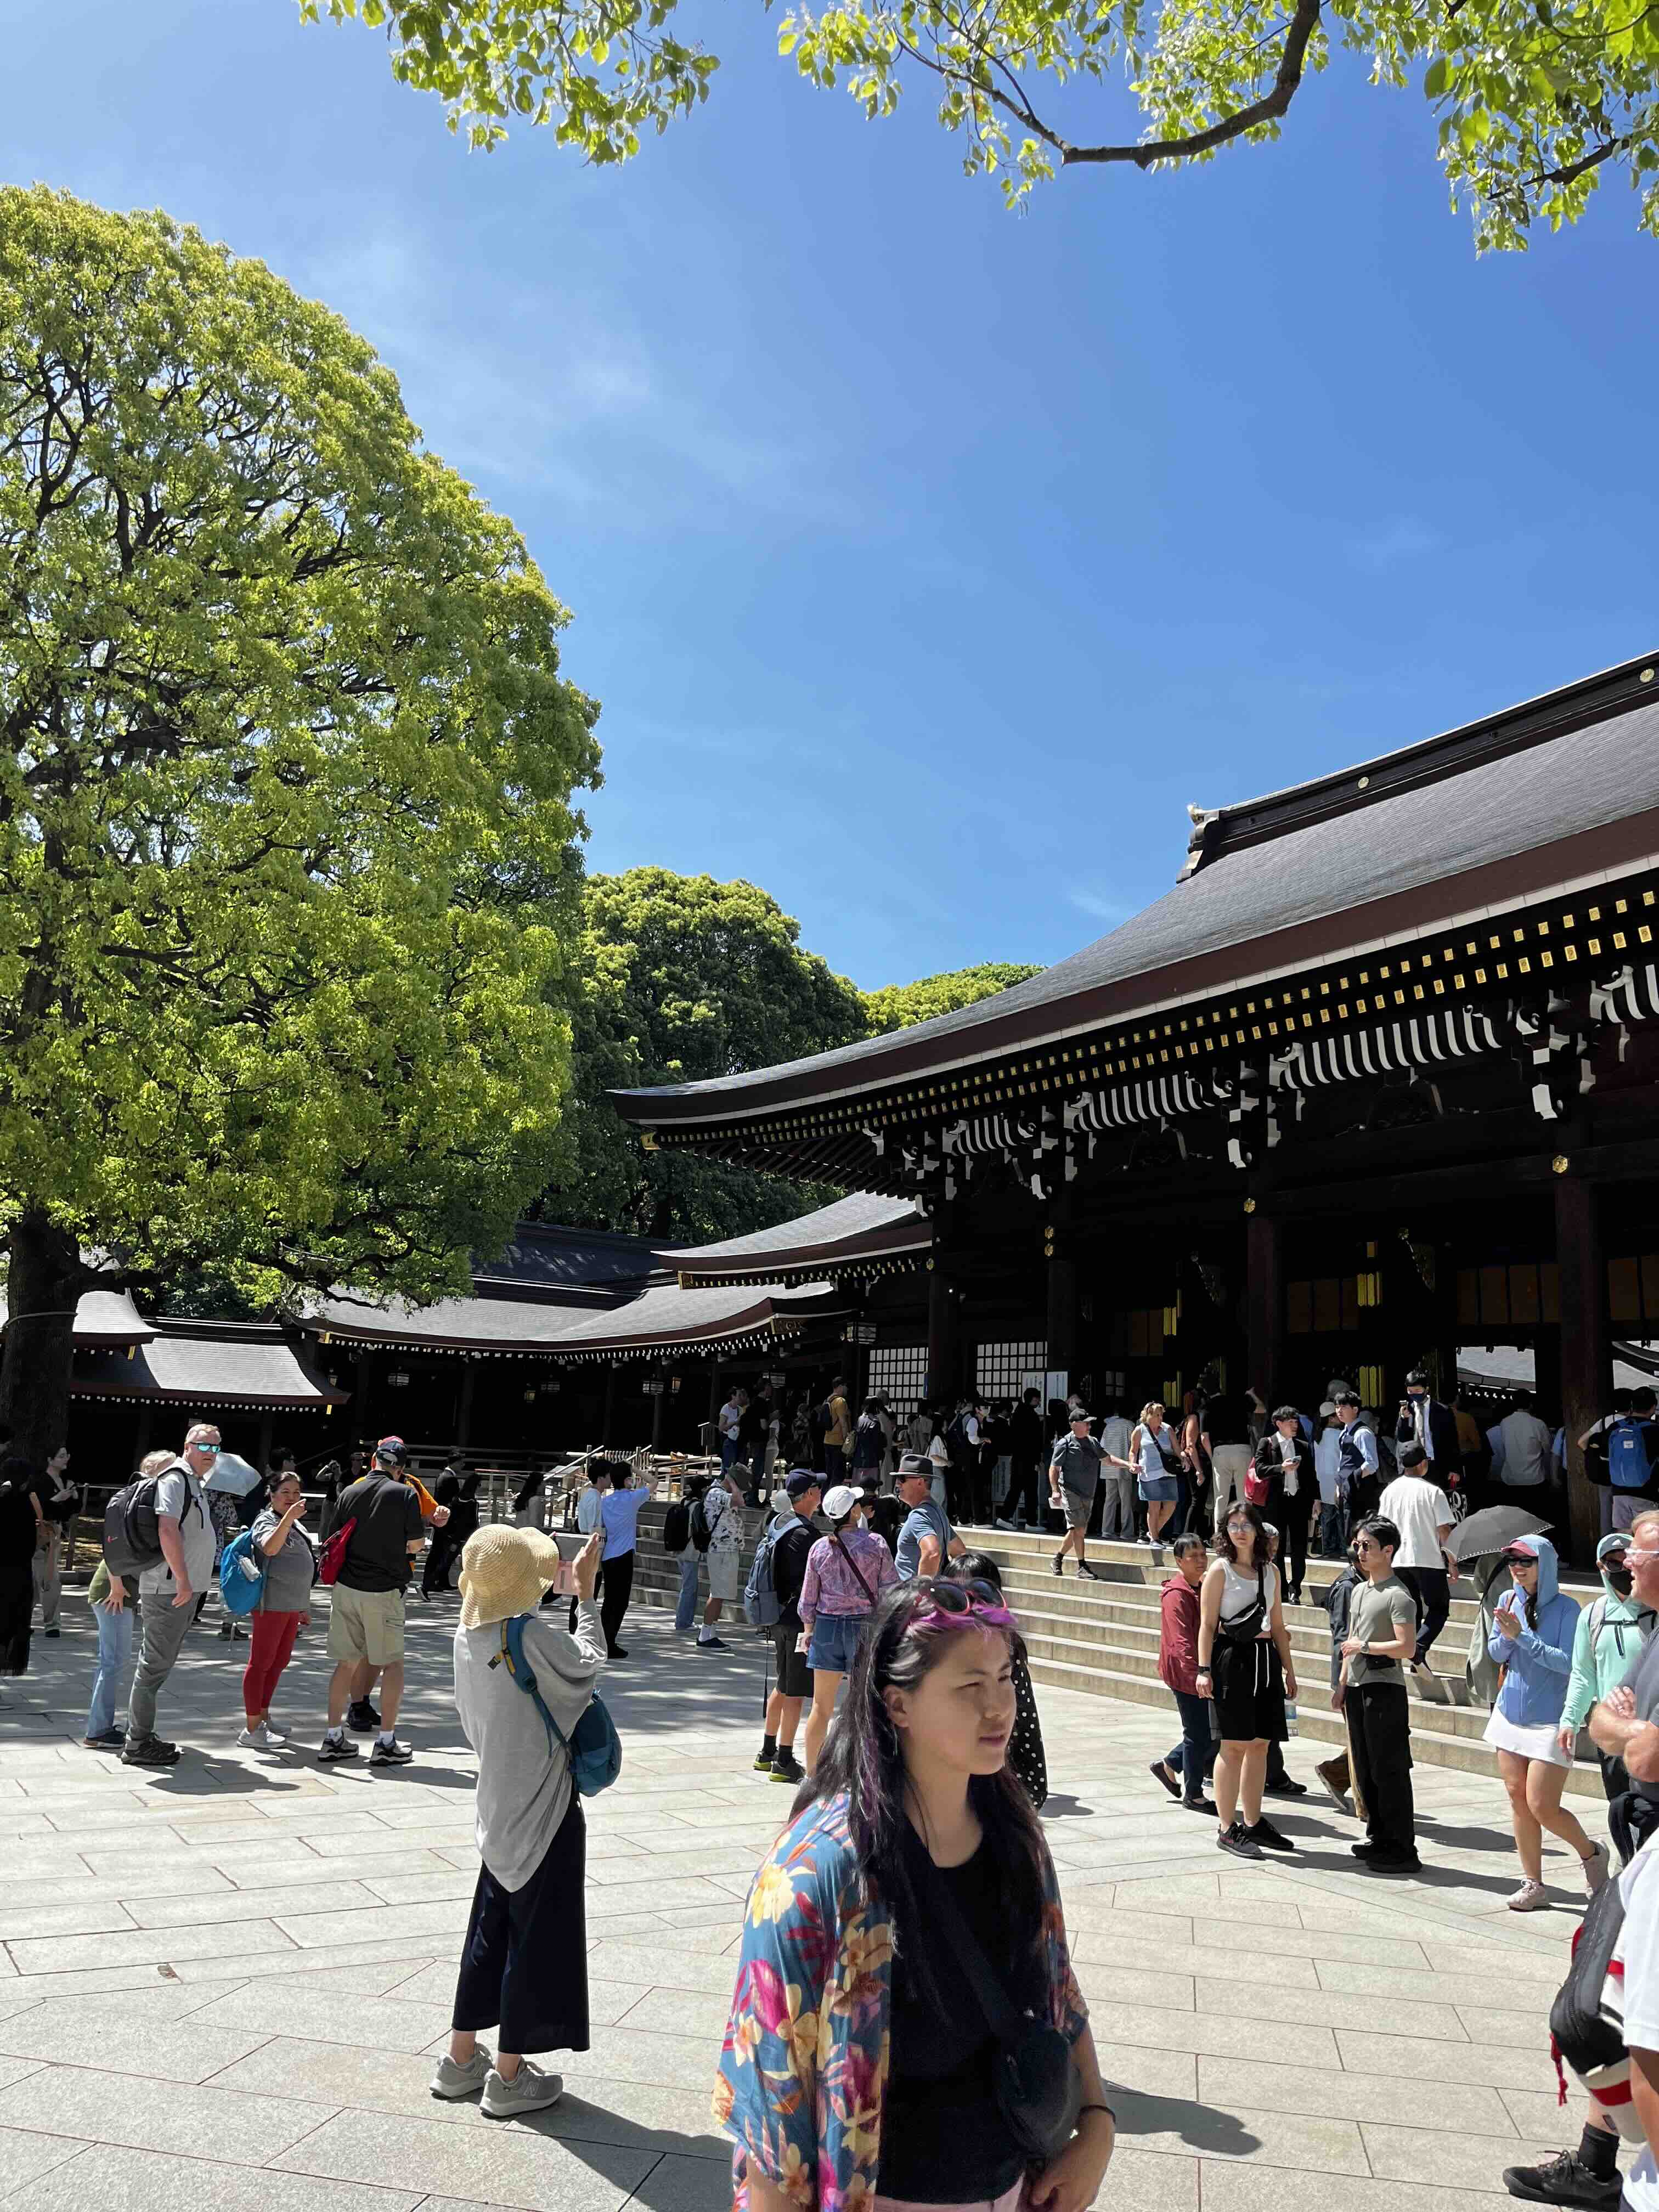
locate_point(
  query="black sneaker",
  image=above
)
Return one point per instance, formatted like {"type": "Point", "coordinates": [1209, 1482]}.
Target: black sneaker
{"type": "Point", "coordinates": [336, 1746]}
{"type": "Point", "coordinates": [1286, 1788]}
{"type": "Point", "coordinates": [1269, 1837]}
{"type": "Point", "coordinates": [786, 1767]}
{"type": "Point", "coordinates": [1084, 1568]}
{"type": "Point", "coordinates": [51, 1631]}
{"type": "Point", "coordinates": [1364, 1850]}
{"type": "Point", "coordinates": [362, 1717]}
{"type": "Point", "coordinates": [1199, 1805]}
{"type": "Point", "coordinates": [1238, 1840]}
{"type": "Point", "coordinates": [1563, 2180]}
{"type": "Point", "coordinates": [1160, 1772]}
{"type": "Point", "coordinates": [111, 1740]}
{"type": "Point", "coordinates": [763, 1762]}
{"type": "Point", "coordinates": [390, 1755]}
{"type": "Point", "coordinates": [1060, 1561]}
{"type": "Point", "coordinates": [617, 1651]}
{"type": "Point", "coordinates": [1394, 1862]}
{"type": "Point", "coordinates": [712, 1644]}
{"type": "Point", "coordinates": [149, 1751]}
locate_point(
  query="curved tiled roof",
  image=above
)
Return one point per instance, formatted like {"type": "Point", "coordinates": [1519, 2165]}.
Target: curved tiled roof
{"type": "Point", "coordinates": [1302, 873]}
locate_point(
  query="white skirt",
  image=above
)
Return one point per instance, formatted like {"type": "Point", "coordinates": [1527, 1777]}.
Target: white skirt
{"type": "Point", "coordinates": [1535, 1742]}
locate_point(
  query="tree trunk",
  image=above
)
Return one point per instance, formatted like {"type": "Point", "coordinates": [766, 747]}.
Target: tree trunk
{"type": "Point", "coordinates": [43, 1282]}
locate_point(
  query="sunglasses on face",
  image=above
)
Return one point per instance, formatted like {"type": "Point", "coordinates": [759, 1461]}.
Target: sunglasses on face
{"type": "Point", "coordinates": [209, 1449]}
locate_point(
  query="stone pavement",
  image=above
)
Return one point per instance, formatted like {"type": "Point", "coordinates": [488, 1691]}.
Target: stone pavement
{"type": "Point", "coordinates": [223, 1987]}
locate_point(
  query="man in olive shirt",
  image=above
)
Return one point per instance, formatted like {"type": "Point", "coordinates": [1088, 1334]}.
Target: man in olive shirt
{"type": "Point", "coordinates": [1382, 1634]}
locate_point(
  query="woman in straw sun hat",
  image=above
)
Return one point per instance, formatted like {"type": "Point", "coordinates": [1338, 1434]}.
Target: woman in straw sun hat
{"type": "Point", "coordinates": [524, 1965]}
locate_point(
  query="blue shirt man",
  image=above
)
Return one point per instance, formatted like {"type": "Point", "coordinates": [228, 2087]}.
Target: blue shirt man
{"type": "Point", "coordinates": [913, 1488]}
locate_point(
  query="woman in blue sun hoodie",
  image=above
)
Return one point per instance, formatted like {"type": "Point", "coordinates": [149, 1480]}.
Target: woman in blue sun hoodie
{"type": "Point", "coordinates": [1532, 1641]}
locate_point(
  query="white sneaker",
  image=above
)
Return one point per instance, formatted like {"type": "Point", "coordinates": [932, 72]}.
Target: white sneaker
{"type": "Point", "coordinates": [262, 1738]}
{"type": "Point", "coordinates": [453, 2080]}
{"type": "Point", "coordinates": [1531, 1897]}
{"type": "Point", "coordinates": [1596, 1869]}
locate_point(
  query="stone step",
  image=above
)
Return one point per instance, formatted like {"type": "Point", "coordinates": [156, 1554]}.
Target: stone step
{"type": "Point", "coordinates": [1430, 1746]}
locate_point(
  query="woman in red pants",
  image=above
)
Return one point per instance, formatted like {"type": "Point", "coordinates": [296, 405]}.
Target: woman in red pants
{"type": "Point", "coordinates": [283, 1608]}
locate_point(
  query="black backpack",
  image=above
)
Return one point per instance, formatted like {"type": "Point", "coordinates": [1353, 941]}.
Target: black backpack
{"type": "Point", "coordinates": [677, 1528]}
{"type": "Point", "coordinates": [1588, 2033]}
{"type": "Point", "coordinates": [956, 1442]}
{"type": "Point", "coordinates": [132, 1534]}
{"type": "Point", "coordinates": [697, 1523]}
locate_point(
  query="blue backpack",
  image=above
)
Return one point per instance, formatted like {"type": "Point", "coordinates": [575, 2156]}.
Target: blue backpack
{"type": "Point", "coordinates": [241, 1575]}
{"type": "Point", "coordinates": [761, 1605]}
{"type": "Point", "coordinates": [1628, 1456]}
{"type": "Point", "coordinates": [594, 1748]}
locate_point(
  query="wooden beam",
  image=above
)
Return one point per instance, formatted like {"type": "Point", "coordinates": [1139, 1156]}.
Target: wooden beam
{"type": "Point", "coordinates": [1264, 1302]}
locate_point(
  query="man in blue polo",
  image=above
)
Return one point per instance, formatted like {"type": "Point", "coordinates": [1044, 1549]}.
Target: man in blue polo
{"type": "Point", "coordinates": [926, 1523]}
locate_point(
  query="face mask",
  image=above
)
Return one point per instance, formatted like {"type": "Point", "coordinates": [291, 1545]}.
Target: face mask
{"type": "Point", "coordinates": [1621, 1580]}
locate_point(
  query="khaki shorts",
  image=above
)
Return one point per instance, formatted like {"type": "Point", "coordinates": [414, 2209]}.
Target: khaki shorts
{"type": "Point", "coordinates": [367, 1625]}
{"type": "Point", "coordinates": [726, 1575]}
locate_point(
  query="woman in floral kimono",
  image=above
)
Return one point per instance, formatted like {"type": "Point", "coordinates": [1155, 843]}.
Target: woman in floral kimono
{"type": "Point", "coordinates": [857, 2073]}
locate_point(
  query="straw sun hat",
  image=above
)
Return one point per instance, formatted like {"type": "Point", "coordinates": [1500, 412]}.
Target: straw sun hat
{"type": "Point", "coordinates": [504, 1571]}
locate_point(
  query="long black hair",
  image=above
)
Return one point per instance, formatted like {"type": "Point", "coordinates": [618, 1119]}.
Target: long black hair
{"type": "Point", "coordinates": [863, 1759]}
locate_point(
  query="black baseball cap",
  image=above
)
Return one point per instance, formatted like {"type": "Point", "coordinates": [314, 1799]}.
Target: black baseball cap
{"type": "Point", "coordinates": [801, 1479]}
{"type": "Point", "coordinates": [393, 1449]}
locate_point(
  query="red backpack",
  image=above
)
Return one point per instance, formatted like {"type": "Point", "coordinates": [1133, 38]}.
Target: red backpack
{"type": "Point", "coordinates": [332, 1556]}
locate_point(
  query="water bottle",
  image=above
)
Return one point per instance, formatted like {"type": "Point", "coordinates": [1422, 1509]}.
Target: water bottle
{"type": "Point", "coordinates": [1290, 1717]}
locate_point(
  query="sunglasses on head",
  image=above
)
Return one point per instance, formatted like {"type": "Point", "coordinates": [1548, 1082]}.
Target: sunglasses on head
{"type": "Point", "coordinates": [958, 1604]}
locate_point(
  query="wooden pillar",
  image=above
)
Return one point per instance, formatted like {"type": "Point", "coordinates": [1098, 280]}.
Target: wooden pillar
{"type": "Point", "coordinates": [656, 1413]}
{"type": "Point", "coordinates": [1586, 1346]}
{"type": "Point", "coordinates": [1264, 1304]}
{"type": "Point", "coordinates": [463, 1408]}
{"type": "Point", "coordinates": [943, 1346]}
{"type": "Point", "coordinates": [1061, 1323]}
{"type": "Point", "coordinates": [266, 1420]}
{"type": "Point", "coordinates": [609, 1405]}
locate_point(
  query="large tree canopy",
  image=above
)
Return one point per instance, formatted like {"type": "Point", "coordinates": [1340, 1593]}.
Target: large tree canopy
{"type": "Point", "coordinates": [1534, 98]}
{"type": "Point", "coordinates": [902, 1005]}
{"type": "Point", "coordinates": [685, 978]}
{"type": "Point", "coordinates": [285, 805]}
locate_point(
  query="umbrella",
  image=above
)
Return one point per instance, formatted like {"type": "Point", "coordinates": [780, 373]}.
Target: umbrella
{"type": "Point", "coordinates": [1490, 1529]}
{"type": "Point", "coordinates": [232, 1475]}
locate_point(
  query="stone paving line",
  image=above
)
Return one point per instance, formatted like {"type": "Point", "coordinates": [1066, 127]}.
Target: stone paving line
{"type": "Point", "coordinates": [226, 1985]}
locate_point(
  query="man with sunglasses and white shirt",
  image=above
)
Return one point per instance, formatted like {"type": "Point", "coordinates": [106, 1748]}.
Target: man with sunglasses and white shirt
{"type": "Point", "coordinates": [168, 1592]}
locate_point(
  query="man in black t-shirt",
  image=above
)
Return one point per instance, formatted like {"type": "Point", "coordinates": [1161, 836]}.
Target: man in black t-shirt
{"type": "Point", "coordinates": [1026, 1443]}
{"type": "Point", "coordinates": [776, 1756]}
{"type": "Point", "coordinates": [366, 1616]}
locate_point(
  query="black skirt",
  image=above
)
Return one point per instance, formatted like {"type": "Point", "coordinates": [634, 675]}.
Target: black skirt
{"type": "Point", "coordinates": [1248, 1682]}
{"type": "Point", "coordinates": [524, 1964]}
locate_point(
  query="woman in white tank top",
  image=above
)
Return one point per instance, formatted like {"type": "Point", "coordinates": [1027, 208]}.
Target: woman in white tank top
{"type": "Point", "coordinates": [1245, 1666]}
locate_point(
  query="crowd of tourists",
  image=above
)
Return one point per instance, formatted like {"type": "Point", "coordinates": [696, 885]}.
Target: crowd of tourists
{"type": "Point", "coordinates": [912, 1876]}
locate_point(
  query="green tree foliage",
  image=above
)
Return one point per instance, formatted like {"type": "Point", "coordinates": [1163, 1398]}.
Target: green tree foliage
{"type": "Point", "coordinates": [684, 979]}
{"type": "Point", "coordinates": [1534, 98]}
{"type": "Point", "coordinates": [902, 1005]}
{"type": "Point", "coordinates": [286, 849]}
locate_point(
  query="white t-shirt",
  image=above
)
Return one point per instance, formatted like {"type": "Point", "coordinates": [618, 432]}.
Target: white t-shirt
{"type": "Point", "coordinates": [1638, 1948]}
{"type": "Point", "coordinates": [1328, 1461]}
{"type": "Point", "coordinates": [1419, 1511]}
{"type": "Point", "coordinates": [730, 1415]}
{"type": "Point", "coordinates": [725, 1531]}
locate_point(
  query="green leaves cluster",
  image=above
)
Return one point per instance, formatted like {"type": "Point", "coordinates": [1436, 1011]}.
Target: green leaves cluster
{"type": "Point", "coordinates": [1535, 98]}
{"type": "Point", "coordinates": [902, 1005]}
{"type": "Point", "coordinates": [598, 71]}
{"type": "Point", "coordinates": [287, 856]}
{"type": "Point", "coordinates": [684, 979]}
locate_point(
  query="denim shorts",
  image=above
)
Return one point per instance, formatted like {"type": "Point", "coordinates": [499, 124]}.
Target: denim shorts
{"type": "Point", "coordinates": [835, 1642]}
{"type": "Point", "coordinates": [1159, 1489]}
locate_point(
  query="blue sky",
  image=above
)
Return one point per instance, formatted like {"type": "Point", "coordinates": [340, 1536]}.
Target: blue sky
{"type": "Point", "coordinates": [927, 560]}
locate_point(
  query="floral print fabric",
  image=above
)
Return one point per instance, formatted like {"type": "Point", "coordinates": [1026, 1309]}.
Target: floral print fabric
{"type": "Point", "coordinates": [804, 2067]}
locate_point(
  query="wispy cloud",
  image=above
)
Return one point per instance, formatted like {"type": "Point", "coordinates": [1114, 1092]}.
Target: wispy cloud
{"type": "Point", "coordinates": [1404, 539]}
{"type": "Point", "coordinates": [1099, 907]}
{"type": "Point", "coordinates": [527, 384]}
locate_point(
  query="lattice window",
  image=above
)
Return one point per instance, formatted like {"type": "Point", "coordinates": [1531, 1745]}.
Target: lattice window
{"type": "Point", "coordinates": [898, 1372]}
{"type": "Point", "coordinates": [1002, 1370]}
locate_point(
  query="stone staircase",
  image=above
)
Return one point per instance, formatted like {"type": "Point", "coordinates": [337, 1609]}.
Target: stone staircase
{"type": "Point", "coordinates": [1101, 1638]}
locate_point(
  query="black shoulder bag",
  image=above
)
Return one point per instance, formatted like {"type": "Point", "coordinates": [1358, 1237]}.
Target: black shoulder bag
{"type": "Point", "coordinates": [1036, 2086]}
